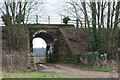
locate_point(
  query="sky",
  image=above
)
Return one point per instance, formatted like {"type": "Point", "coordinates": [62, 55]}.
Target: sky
{"type": "Point", "coordinates": [48, 8]}
{"type": "Point", "coordinates": [39, 43]}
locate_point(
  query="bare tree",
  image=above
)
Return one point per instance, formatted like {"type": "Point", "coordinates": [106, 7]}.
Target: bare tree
{"type": "Point", "coordinates": [17, 11]}
{"type": "Point", "coordinates": [104, 26]}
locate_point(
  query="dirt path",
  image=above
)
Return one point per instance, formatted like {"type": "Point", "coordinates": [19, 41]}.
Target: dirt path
{"type": "Point", "coordinates": [74, 72]}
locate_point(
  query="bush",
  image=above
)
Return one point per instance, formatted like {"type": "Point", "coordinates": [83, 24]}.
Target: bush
{"type": "Point", "coordinates": [66, 19]}
{"type": "Point", "coordinates": [79, 59]}
{"type": "Point", "coordinates": [92, 57]}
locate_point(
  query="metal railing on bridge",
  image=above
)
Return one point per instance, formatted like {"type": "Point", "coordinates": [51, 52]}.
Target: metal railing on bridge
{"type": "Point", "coordinates": [48, 20]}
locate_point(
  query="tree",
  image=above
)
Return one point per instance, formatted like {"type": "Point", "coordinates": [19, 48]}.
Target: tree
{"type": "Point", "coordinates": [103, 28]}
{"type": "Point", "coordinates": [17, 11]}
{"type": "Point", "coordinates": [7, 19]}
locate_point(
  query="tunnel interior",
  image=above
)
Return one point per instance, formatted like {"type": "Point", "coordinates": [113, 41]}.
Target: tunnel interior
{"type": "Point", "coordinates": [49, 41]}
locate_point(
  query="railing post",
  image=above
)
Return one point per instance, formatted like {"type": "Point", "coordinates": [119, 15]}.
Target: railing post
{"type": "Point", "coordinates": [36, 19]}
{"type": "Point", "coordinates": [77, 23]}
{"type": "Point", "coordinates": [48, 19]}
{"type": "Point", "coordinates": [61, 19]}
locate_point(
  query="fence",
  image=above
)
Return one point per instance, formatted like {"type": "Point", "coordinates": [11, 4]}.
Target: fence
{"type": "Point", "coordinates": [47, 20]}
{"type": "Point", "coordinates": [44, 20]}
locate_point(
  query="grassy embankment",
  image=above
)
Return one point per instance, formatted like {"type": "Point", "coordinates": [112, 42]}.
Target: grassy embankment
{"type": "Point", "coordinates": [32, 75]}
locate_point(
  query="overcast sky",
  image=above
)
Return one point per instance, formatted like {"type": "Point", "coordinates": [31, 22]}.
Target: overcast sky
{"type": "Point", "coordinates": [39, 43]}
{"type": "Point", "coordinates": [50, 8]}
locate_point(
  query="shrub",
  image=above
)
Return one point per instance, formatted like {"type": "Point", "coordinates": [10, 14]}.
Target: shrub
{"type": "Point", "coordinates": [92, 57]}
{"type": "Point", "coordinates": [66, 19]}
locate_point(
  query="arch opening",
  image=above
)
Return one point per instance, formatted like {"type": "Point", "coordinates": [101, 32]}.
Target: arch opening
{"type": "Point", "coordinates": [39, 47]}
{"type": "Point", "coordinates": [43, 46]}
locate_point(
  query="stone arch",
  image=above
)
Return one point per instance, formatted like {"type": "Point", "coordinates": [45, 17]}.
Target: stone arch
{"type": "Point", "coordinates": [51, 35]}
{"type": "Point", "coordinates": [49, 39]}
{"type": "Point", "coordinates": [44, 35]}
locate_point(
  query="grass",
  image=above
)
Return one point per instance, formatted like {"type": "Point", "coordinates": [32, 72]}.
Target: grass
{"type": "Point", "coordinates": [96, 68]}
{"type": "Point", "coordinates": [0, 75]}
{"type": "Point", "coordinates": [32, 75]}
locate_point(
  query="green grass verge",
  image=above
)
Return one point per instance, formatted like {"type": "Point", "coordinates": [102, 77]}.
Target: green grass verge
{"type": "Point", "coordinates": [32, 75]}
{"type": "Point", "coordinates": [96, 68]}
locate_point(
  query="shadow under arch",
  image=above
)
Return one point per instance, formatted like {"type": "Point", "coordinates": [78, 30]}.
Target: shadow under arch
{"type": "Point", "coordinates": [49, 41]}
{"type": "Point", "coordinates": [44, 35]}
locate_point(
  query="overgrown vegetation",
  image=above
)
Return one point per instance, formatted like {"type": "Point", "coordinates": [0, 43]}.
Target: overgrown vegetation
{"type": "Point", "coordinates": [101, 20]}
{"type": "Point", "coordinates": [15, 35]}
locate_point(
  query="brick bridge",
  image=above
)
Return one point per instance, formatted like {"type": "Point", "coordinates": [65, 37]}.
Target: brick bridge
{"type": "Point", "coordinates": [65, 40]}
{"type": "Point", "coordinates": [52, 35]}
{"type": "Point", "coordinates": [67, 43]}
